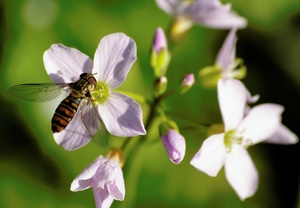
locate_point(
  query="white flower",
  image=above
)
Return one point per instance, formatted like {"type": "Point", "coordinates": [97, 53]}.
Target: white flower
{"type": "Point", "coordinates": [105, 177]}
{"type": "Point", "coordinates": [261, 123]}
{"type": "Point", "coordinates": [113, 59]}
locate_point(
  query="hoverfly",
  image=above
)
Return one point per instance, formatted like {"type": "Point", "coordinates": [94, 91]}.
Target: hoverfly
{"type": "Point", "coordinates": [77, 107]}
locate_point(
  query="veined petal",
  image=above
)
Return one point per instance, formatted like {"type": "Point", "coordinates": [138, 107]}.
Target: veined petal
{"type": "Point", "coordinates": [102, 198]}
{"type": "Point", "coordinates": [122, 116]}
{"type": "Point", "coordinates": [105, 174]}
{"type": "Point", "coordinates": [64, 64]}
{"type": "Point", "coordinates": [76, 134]}
{"type": "Point", "coordinates": [211, 156]}
{"type": "Point", "coordinates": [226, 55]}
{"type": "Point", "coordinates": [283, 135]}
{"type": "Point", "coordinates": [261, 122]}
{"type": "Point", "coordinates": [84, 180]}
{"type": "Point", "coordinates": [113, 59]}
{"type": "Point", "coordinates": [168, 6]}
{"type": "Point", "coordinates": [241, 172]}
{"type": "Point", "coordinates": [232, 95]}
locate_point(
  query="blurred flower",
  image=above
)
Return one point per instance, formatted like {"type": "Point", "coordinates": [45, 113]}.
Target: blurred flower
{"type": "Point", "coordinates": [113, 59]}
{"type": "Point", "coordinates": [227, 65]}
{"type": "Point", "coordinates": [174, 144]}
{"type": "Point", "coordinates": [187, 82]}
{"type": "Point", "coordinates": [160, 85]}
{"type": "Point", "coordinates": [210, 13]}
{"type": "Point", "coordinates": [160, 56]}
{"type": "Point", "coordinates": [105, 177]}
{"type": "Point", "coordinates": [261, 123]}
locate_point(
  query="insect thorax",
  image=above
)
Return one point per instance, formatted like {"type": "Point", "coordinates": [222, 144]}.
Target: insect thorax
{"type": "Point", "coordinates": [83, 86]}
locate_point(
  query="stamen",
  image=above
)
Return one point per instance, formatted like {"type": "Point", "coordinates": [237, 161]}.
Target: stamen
{"type": "Point", "coordinates": [231, 137]}
{"type": "Point", "coordinates": [100, 93]}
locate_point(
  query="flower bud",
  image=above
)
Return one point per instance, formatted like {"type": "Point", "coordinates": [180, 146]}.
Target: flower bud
{"type": "Point", "coordinates": [174, 144]}
{"type": "Point", "coordinates": [160, 85]}
{"type": "Point", "coordinates": [187, 82]}
{"type": "Point", "coordinates": [160, 56]}
{"type": "Point", "coordinates": [172, 140]}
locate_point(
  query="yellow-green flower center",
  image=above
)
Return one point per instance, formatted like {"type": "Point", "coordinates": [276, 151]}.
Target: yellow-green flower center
{"type": "Point", "coordinates": [233, 136]}
{"type": "Point", "coordinates": [100, 93]}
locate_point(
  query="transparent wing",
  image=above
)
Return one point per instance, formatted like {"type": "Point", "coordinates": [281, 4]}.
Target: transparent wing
{"type": "Point", "coordinates": [36, 92]}
{"type": "Point", "coordinates": [94, 124]}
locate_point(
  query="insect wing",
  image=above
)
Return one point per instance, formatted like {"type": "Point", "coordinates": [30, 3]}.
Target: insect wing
{"type": "Point", "coordinates": [36, 92]}
{"type": "Point", "coordinates": [94, 124]}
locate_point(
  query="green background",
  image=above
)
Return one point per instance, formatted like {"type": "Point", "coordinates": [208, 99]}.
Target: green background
{"type": "Point", "coordinates": [36, 172]}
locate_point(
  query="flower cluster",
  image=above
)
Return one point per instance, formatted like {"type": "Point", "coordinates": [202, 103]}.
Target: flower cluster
{"type": "Point", "coordinates": [93, 107]}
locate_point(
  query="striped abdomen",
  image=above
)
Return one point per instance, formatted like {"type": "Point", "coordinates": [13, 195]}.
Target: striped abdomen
{"type": "Point", "coordinates": [64, 113]}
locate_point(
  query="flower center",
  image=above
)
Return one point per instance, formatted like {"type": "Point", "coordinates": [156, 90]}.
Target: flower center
{"type": "Point", "coordinates": [100, 93]}
{"type": "Point", "coordinates": [233, 136]}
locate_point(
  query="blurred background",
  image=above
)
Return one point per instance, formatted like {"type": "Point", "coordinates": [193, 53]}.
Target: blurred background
{"type": "Point", "coordinates": [36, 172]}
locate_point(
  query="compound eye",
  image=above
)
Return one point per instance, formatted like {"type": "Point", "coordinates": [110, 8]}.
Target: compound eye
{"type": "Point", "coordinates": [83, 75]}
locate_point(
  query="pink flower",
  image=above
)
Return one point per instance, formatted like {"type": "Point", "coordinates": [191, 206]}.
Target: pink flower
{"type": "Point", "coordinates": [105, 177]}
{"type": "Point", "coordinates": [113, 59]}
{"type": "Point", "coordinates": [210, 13]}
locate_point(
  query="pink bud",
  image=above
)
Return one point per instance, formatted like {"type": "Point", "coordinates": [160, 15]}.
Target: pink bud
{"type": "Point", "coordinates": [174, 144]}
{"type": "Point", "coordinates": [159, 40]}
{"type": "Point", "coordinates": [188, 80]}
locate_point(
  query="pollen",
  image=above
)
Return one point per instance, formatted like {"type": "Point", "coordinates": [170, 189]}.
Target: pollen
{"type": "Point", "coordinates": [100, 93]}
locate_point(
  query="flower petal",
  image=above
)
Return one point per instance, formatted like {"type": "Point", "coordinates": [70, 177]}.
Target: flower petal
{"type": "Point", "coordinates": [226, 55]}
{"type": "Point", "coordinates": [102, 198]}
{"type": "Point", "coordinates": [283, 135]}
{"type": "Point", "coordinates": [211, 156]}
{"type": "Point", "coordinates": [241, 172]}
{"type": "Point", "coordinates": [232, 95]}
{"type": "Point", "coordinates": [122, 116]}
{"type": "Point", "coordinates": [174, 144]}
{"type": "Point", "coordinates": [117, 188]}
{"type": "Point", "coordinates": [64, 64]}
{"type": "Point", "coordinates": [113, 59]}
{"type": "Point", "coordinates": [261, 122]}
{"type": "Point", "coordinates": [84, 180]}
{"type": "Point", "coordinates": [213, 14]}
{"type": "Point", "coordinates": [76, 134]}
{"type": "Point", "coordinates": [168, 6]}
